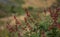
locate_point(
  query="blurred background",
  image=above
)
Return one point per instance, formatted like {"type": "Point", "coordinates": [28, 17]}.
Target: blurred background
{"type": "Point", "coordinates": [9, 8]}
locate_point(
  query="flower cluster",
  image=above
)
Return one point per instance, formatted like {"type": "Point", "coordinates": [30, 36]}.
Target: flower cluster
{"type": "Point", "coordinates": [53, 14]}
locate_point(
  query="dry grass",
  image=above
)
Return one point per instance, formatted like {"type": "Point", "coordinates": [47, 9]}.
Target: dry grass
{"type": "Point", "coordinates": [38, 3]}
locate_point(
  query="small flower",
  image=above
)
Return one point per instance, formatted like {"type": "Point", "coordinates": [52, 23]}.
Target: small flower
{"type": "Point", "coordinates": [25, 19]}
{"type": "Point", "coordinates": [19, 34]}
{"type": "Point", "coordinates": [57, 9]}
{"type": "Point", "coordinates": [15, 17]}
{"type": "Point", "coordinates": [43, 33]}
{"type": "Point", "coordinates": [11, 30]}
{"type": "Point", "coordinates": [24, 28]}
{"type": "Point", "coordinates": [45, 11]}
{"type": "Point", "coordinates": [29, 26]}
{"type": "Point", "coordinates": [31, 19]}
{"type": "Point", "coordinates": [16, 27]}
{"type": "Point", "coordinates": [56, 14]}
{"type": "Point", "coordinates": [55, 19]}
{"type": "Point", "coordinates": [8, 26]}
{"type": "Point", "coordinates": [50, 27]}
{"type": "Point", "coordinates": [16, 20]}
{"type": "Point", "coordinates": [27, 12]}
{"type": "Point", "coordinates": [49, 10]}
{"type": "Point", "coordinates": [58, 26]}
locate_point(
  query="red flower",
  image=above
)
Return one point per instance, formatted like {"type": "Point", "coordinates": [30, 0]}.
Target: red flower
{"type": "Point", "coordinates": [31, 19]}
{"type": "Point", "coordinates": [19, 34]}
{"type": "Point", "coordinates": [17, 22]}
{"type": "Point", "coordinates": [29, 26]}
{"type": "Point", "coordinates": [50, 10]}
{"type": "Point", "coordinates": [43, 33]}
{"type": "Point", "coordinates": [24, 28]}
{"type": "Point", "coordinates": [27, 12]}
{"type": "Point", "coordinates": [56, 14]}
{"type": "Point", "coordinates": [25, 19]}
{"type": "Point", "coordinates": [50, 27]}
{"type": "Point", "coordinates": [54, 18]}
{"type": "Point", "coordinates": [8, 26]}
{"type": "Point", "coordinates": [45, 11]}
{"type": "Point", "coordinates": [58, 9]}
{"type": "Point", "coordinates": [11, 29]}
{"type": "Point", "coordinates": [58, 26]}
{"type": "Point", "coordinates": [16, 28]}
{"type": "Point", "coordinates": [15, 17]}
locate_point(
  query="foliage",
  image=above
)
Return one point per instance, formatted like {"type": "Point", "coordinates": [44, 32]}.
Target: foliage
{"type": "Point", "coordinates": [47, 27]}
{"type": "Point", "coordinates": [14, 8]}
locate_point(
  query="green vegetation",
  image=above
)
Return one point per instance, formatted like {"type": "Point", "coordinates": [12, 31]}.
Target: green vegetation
{"type": "Point", "coordinates": [9, 9]}
{"type": "Point", "coordinates": [38, 23]}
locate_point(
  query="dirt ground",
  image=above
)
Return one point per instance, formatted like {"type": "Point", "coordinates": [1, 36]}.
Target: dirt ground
{"type": "Point", "coordinates": [38, 3]}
